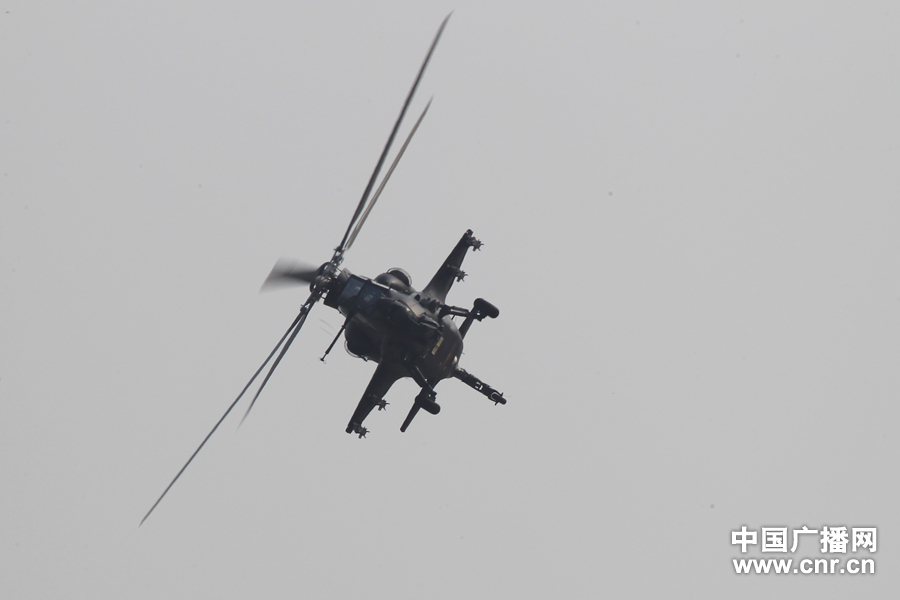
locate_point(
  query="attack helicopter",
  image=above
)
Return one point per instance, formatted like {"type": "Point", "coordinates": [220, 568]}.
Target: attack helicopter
{"type": "Point", "coordinates": [408, 333]}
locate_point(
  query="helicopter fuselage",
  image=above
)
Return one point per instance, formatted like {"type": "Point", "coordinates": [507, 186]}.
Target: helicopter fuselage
{"type": "Point", "coordinates": [409, 333]}
{"type": "Point", "coordinates": [389, 321]}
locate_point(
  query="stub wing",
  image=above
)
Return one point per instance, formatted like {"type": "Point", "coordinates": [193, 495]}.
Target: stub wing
{"type": "Point", "coordinates": [382, 380]}
{"type": "Point", "coordinates": [450, 271]}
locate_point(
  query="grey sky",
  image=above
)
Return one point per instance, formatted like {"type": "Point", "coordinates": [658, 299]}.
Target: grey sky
{"type": "Point", "coordinates": [690, 215]}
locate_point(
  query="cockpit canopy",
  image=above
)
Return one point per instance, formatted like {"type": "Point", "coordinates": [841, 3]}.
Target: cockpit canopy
{"type": "Point", "coordinates": [401, 275]}
{"type": "Point", "coordinates": [396, 279]}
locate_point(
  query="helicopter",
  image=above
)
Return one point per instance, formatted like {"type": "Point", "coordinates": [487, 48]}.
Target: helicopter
{"type": "Point", "coordinates": [408, 333]}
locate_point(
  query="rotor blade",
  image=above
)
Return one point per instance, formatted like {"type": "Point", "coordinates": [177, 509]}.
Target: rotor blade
{"type": "Point", "coordinates": [362, 202]}
{"type": "Point", "coordinates": [365, 214]}
{"type": "Point", "coordinates": [288, 273]}
{"type": "Point", "coordinates": [241, 395]}
{"type": "Point", "coordinates": [301, 319]}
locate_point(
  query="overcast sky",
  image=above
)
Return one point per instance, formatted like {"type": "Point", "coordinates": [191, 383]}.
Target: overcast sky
{"type": "Point", "coordinates": [690, 221]}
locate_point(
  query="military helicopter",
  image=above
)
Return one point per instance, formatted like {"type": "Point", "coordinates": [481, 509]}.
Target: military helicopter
{"type": "Point", "coordinates": [408, 333]}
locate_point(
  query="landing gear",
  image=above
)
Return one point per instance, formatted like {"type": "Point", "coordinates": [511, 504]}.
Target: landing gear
{"type": "Point", "coordinates": [424, 400]}
{"type": "Point", "coordinates": [480, 309]}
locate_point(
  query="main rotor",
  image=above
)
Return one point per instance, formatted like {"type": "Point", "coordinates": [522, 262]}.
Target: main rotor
{"type": "Point", "coordinates": [324, 278]}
